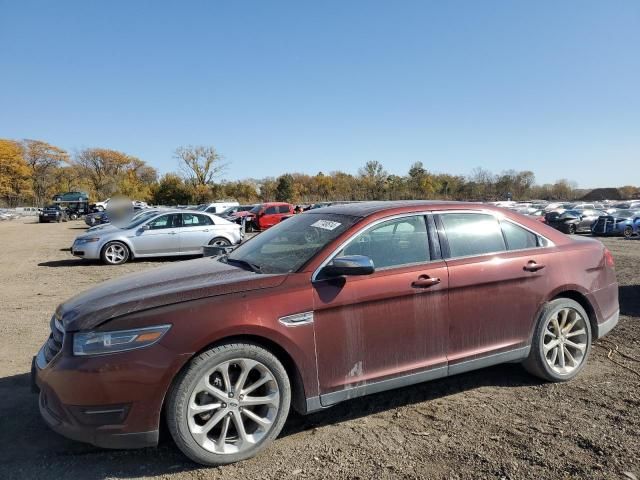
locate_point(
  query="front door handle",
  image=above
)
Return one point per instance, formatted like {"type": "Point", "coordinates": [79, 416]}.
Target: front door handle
{"type": "Point", "coordinates": [532, 266]}
{"type": "Point", "coordinates": [173, 233]}
{"type": "Point", "coordinates": [425, 281]}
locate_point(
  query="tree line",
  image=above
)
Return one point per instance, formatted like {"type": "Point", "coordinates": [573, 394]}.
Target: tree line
{"type": "Point", "coordinates": [32, 171]}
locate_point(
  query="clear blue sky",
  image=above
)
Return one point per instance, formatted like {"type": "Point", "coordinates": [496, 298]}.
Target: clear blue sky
{"type": "Point", "coordinates": [308, 86]}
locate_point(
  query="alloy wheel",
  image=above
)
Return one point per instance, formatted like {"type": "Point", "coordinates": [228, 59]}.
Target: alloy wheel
{"type": "Point", "coordinates": [565, 341]}
{"type": "Point", "coordinates": [233, 406]}
{"type": "Point", "coordinates": [115, 253]}
{"type": "Point", "coordinates": [220, 242]}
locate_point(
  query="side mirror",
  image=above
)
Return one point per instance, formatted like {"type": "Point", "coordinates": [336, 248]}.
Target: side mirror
{"type": "Point", "coordinates": [145, 227]}
{"type": "Point", "coordinates": [347, 266]}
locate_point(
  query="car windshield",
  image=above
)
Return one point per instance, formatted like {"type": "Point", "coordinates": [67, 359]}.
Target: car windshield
{"type": "Point", "coordinates": [226, 211]}
{"type": "Point", "coordinates": [287, 246]}
{"type": "Point", "coordinates": [55, 207]}
{"type": "Point", "coordinates": [623, 213]}
{"type": "Point", "coordinates": [255, 209]}
{"type": "Point", "coordinates": [570, 214]}
{"type": "Point", "coordinates": [138, 219]}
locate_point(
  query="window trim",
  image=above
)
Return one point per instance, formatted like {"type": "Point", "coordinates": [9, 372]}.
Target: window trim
{"type": "Point", "coordinates": [444, 241]}
{"type": "Point", "coordinates": [332, 255]}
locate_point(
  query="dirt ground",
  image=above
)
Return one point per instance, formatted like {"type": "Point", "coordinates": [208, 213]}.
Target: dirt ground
{"type": "Point", "coordinates": [494, 423]}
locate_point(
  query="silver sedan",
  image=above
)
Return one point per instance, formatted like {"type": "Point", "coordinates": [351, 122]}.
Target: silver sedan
{"type": "Point", "coordinates": [164, 233]}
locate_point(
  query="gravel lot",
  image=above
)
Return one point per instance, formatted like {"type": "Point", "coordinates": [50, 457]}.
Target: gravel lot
{"type": "Point", "coordinates": [494, 423]}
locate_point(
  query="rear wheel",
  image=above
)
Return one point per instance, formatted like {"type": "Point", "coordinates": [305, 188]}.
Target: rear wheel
{"type": "Point", "coordinates": [627, 232]}
{"type": "Point", "coordinates": [561, 341]}
{"type": "Point", "coordinates": [228, 404]}
{"type": "Point", "coordinates": [115, 253]}
{"type": "Point", "coordinates": [220, 242]}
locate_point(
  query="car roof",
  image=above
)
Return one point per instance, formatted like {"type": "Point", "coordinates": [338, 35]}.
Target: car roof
{"type": "Point", "coordinates": [364, 209]}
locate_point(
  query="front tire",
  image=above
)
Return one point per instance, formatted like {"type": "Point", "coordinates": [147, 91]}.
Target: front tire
{"type": "Point", "coordinates": [228, 404]}
{"type": "Point", "coordinates": [627, 232]}
{"type": "Point", "coordinates": [572, 229]}
{"type": "Point", "coordinates": [115, 253]}
{"type": "Point", "coordinates": [561, 341]}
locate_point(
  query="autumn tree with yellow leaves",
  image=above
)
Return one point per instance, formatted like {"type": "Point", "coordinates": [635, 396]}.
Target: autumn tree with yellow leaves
{"type": "Point", "coordinates": [15, 175]}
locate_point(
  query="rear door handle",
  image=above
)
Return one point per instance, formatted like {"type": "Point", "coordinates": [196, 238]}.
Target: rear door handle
{"type": "Point", "coordinates": [532, 266]}
{"type": "Point", "coordinates": [425, 281]}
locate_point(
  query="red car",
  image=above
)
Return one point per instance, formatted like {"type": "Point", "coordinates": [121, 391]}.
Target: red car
{"type": "Point", "coordinates": [332, 304]}
{"type": "Point", "coordinates": [264, 215]}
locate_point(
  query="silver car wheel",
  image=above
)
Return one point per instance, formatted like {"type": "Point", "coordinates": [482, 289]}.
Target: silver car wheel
{"type": "Point", "coordinates": [221, 242]}
{"type": "Point", "coordinates": [565, 341]}
{"type": "Point", "coordinates": [115, 253]}
{"type": "Point", "coordinates": [233, 406]}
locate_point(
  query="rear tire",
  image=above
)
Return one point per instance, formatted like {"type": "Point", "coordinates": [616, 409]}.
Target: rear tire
{"type": "Point", "coordinates": [220, 242]}
{"type": "Point", "coordinates": [561, 341]}
{"type": "Point", "coordinates": [628, 232]}
{"type": "Point", "coordinates": [212, 436]}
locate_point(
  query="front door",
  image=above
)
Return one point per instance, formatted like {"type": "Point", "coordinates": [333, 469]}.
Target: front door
{"type": "Point", "coordinates": [269, 217]}
{"type": "Point", "coordinates": [161, 238]}
{"type": "Point", "coordinates": [387, 329]}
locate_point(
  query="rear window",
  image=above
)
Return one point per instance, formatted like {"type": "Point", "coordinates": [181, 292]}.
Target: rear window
{"type": "Point", "coordinates": [517, 237]}
{"type": "Point", "coordinates": [472, 234]}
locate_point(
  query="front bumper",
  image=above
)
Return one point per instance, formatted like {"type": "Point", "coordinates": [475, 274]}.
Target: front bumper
{"type": "Point", "coordinates": [89, 250]}
{"type": "Point", "coordinates": [111, 401]}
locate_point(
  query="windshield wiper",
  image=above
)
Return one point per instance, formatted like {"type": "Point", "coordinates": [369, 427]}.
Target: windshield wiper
{"type": "Point", "coordinates": [252, 266]}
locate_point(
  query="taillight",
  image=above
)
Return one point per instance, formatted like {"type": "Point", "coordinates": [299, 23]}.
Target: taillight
{"type": "Point", "coordinates": [608, 258]}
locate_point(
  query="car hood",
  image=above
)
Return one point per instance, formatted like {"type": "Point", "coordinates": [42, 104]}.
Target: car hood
{"type": "Point", "coordinates": [175, 283]}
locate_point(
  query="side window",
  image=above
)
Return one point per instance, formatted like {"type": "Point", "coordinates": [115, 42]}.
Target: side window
{"type": "Point", "coordinates": [271, 210]}
{"type": "Point", "coordinates": [472, 234]}
{"type": "Point", "coordinates": [163, 221]}
{"type": "Point", "coordinates": [195, 220]}
{"type": "Point", "coordinates": [393, 243]}
{"type": "Point", "coordinates": [204, 220]}
{"type": "Point", "coordinates": [283, 208]}
{"type": "Point", "coordinates": [517, 237]}
{"type": "Point", "coordinates": [211, 210]}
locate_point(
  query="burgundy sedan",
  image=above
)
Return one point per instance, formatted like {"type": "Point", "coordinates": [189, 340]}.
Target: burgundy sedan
{"type": "Point", "coordinates": [332, 304]}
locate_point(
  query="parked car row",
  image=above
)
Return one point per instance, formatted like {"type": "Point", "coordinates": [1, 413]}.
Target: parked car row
{"type": "Point", "coordinates": [619, 218]}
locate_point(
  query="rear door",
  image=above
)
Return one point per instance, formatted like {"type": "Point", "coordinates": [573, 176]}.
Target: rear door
{"type": "Point", "coordinates": [497, 284]}
{"type": "Point", "coordinates": [196, 231]}
{"type": "Point", "coordinates": [161, 238]}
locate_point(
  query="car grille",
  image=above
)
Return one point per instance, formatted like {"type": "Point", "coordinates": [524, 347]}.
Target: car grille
{"type": "Point", "coordinates": [53, 345]}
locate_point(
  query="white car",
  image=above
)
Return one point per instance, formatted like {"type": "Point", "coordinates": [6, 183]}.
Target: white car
{"type": "Point", "coordinates": [217, 207]}
{"type": "Point", "coordinates": [165, 233]}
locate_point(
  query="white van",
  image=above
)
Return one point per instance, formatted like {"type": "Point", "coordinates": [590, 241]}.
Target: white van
{"type": "Point", "coordinates": [218, 207]}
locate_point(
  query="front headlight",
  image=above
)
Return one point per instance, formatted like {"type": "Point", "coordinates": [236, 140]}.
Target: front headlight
{"type": "Point", "coordinates": [88, 240]}
{"type": "Point", "coordinates": [97, 343]}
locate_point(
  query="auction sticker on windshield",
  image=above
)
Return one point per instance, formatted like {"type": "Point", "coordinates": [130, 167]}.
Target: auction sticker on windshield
{"type": "Point", "coordinates": [326, 224]}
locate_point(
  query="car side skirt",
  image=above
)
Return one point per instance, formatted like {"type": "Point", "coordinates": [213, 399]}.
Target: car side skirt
{"type": "Point", "coordinates": [314, 404]}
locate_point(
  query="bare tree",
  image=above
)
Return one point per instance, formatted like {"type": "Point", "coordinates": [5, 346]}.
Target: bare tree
{"type": "Point", "coordinates": [200, 164]}
{"type": "Point", "coordinates": [44, 160]}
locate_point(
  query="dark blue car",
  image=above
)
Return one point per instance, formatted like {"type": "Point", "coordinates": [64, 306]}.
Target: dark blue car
{"type": "Point", "coordinates": [624, 223]}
